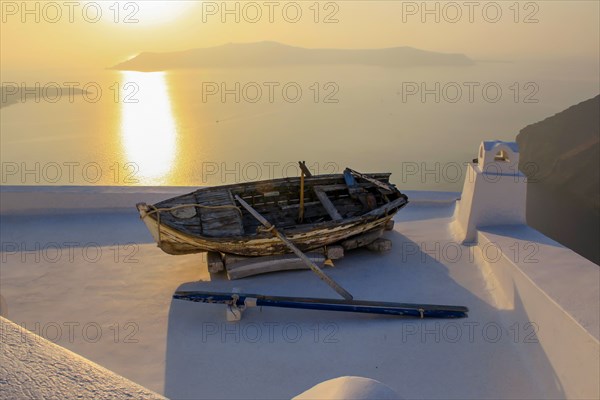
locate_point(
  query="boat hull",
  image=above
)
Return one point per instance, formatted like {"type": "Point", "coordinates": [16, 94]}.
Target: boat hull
{"type": "Point", "coordinates": [177, 243]}
{"type": "Point", "coordinates": [250, 242]}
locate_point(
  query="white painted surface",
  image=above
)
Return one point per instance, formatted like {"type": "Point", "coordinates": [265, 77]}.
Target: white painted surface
{"type": "Point", "coordinates": [494, 191]}
{"type": "Point", "coordinates": [560, 291]}
{"type": "Point", "coordinates": [187, 350]}
{"type": "Point", "coordinates": [78, 199]}
{"type": "Point", "coordinates": [349, 388]}
{"type": "Point", "coordinates": [34, 368]}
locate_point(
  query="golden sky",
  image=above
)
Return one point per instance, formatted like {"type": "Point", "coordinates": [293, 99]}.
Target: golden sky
{"type": "Point", "coordinates": [76, 35]}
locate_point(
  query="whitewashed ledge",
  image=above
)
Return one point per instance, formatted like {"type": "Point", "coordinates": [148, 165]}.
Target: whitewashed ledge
{"type": "Point", "coordinates": [531, 274]}
{"type": "Point", "coordinates": [79, 199]}
{"type": "Point", "coordinates": [34, 368]}
{"type": "Point", "coordinates": [556, 289]}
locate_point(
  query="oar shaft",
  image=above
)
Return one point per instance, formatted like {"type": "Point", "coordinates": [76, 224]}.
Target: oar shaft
{"type": "Point", "coordinates": [359, 306]}
{"type": "Point", "coordinates": [333, 284]}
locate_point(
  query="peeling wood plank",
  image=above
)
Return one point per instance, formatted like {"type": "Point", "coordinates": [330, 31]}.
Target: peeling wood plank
{"type": "Point", "coordinates": [295, 206]}
{"type": "Point", "coordinates": [230, 259]}
{"type": "Point", "coordinates": [262, 265]}
{"type": "Point", "coordinates": [380, 245]}
{"type": "Point", "coordinates": [331, 210]}
{"type": "Point", "coordinates": [361, 240]}
{"type": "Point", "coordinates": [388, 188]}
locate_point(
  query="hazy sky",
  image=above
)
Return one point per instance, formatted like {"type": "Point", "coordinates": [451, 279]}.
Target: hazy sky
{"type": "Point", "coordinates": [78, 35]}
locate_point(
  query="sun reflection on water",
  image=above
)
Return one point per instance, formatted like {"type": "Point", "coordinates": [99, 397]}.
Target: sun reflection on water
{"type": "Point", "coordinates": [148, 128]}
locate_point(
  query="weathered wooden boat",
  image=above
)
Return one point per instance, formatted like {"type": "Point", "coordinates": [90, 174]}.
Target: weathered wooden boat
{"type": "Point", "coordinates": [312, 212]}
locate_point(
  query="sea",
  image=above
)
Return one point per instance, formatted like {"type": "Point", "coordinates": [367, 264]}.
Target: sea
{"type": "Point", "coordinates": [212, 127]}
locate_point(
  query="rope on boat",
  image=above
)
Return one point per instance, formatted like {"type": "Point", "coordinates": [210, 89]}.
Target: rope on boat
{"type": "Point", "coordinates": [263, 229]}
{"type": "Point", "coordinates": [157, 211]}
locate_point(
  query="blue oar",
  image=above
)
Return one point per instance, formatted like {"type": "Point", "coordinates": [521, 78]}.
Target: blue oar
{"type": "Point", "coordinates": [241, 301]}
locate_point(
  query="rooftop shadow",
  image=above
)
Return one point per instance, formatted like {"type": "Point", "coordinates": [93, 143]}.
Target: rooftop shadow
{"type": "Point", "coordinates": [278, 353]}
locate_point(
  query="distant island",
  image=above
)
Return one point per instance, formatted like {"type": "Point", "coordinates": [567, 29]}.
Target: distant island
{"type": "Point", "coordinates": [273, 54]}
{"type": "Point", "coordinates": [11, 95]}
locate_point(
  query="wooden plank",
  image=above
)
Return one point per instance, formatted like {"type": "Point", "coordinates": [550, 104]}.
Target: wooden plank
{"type": "Point", "coordinates": [230, 259]}
{"type": "Point", "coordinates": [189, 229]}
{"type": "Point", "coordinates": [385, 186]}
{"type": "Point", "coordinates": [262, 265]}
{"type": "Point", "coordinates": [242, 265]}
{"type": "Point", "coordinates": [329, 207]}
{"type": "Point", "coordinates": [273, 193]}
{"type": "Point", "coordinates": [218, 222]}
{"type": "Point", "coordinates": [361, 240]}
{"type": "Point", "coordinates": [398, 203]}
{"type": "Point", "coordinates": [331, 188]}
{"type": "Point", "coordinates": [380, 245]}
{"type": "Point", "coordinates": [230, 198]}
{"type": "Point", "coordinates": [214, 262]}
{"type": "Point", "coordinates": [250, 188]}
{"type": "Point", "coordinates": [333, 284]}
{"type": "Point", "coordinates": [294, 206]}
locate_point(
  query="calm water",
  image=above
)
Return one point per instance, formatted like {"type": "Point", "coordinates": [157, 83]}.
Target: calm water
{"type": "Point", "coordinates": [176, 128]}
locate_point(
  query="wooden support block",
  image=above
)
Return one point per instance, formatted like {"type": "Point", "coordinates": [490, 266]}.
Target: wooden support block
{"type": "Point", "coordinates": [230, 259]}
{"type": "Point", "coordinates": [214, 262]}
{"type": "Point", "coordinates": [389, 226]}
{"type": "Point", "coordinates": [380, 245]}
{"type": "Point", "coordinates": [361, 240]}
{"type": "Point", "coordinates": [262, 265]}
{"type": "Point", "coordinates": [335, 252]}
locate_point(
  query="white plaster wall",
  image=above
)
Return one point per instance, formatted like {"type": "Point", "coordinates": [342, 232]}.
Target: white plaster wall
{"type": "Point", "coordinates": [559, 293]}
{"type": "Point", "coordinates": [489, 200]}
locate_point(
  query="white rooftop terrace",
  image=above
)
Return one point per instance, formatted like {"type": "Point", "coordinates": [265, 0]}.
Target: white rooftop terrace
{"type": "Point", "coordinates": [79, 268]}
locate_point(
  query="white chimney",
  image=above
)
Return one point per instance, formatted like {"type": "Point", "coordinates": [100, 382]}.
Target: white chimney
{"type": "Point", "coordinates": [493, 193]}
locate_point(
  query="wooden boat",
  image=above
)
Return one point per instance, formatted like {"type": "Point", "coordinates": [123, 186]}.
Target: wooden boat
{"type": "Point", "coordinates": [312, 212]}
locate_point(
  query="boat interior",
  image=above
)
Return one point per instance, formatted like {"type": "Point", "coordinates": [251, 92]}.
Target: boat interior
{"type": "Point", "coordinates": [214, 211]}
